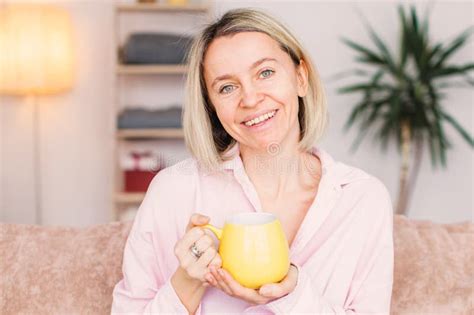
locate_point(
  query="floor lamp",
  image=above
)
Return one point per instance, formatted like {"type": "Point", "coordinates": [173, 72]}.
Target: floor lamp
{"type": "Point", "coordinates": [36, 58]}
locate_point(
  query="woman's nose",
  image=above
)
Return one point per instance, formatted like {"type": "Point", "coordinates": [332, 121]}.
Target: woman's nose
{"type": "Point", "coordinates": [251, 96]}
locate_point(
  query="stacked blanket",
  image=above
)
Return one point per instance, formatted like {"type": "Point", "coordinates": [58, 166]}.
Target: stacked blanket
{"type": "Point", "coordinates": [155, 48]}
{"type": "Point", "coordinates": [144, 118]}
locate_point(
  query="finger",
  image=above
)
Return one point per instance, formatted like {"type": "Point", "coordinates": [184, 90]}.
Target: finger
{"type": "Point", "coordinates": [189, 239]}
{"type": "Point", "coordinates": [271, 290]}
{"type": "Point", "coordinates": [197, 268]}
{"type": "Point", "coordinates": [220, 282]}
{"type": "Point", "coordinates": [182, 248]}
{"type": "Point", "coordinates": [198, 265]}
{"type": "Point", "coordinates": [237, 288]}
{"type": "Point", "coordinates": [203, 243]}
{"type": "Point", "coordinates": [231, 282]}
{"type": "Point", "coordinates": [240, 291]}
{"type": "Point", "coordinates": [206, 258]}
{"type": "Point", "coordinates": [216, 261]}
{"type": "Point", "coordinates": [210, 234]}
{"type": "Point", "coordinates": [282, 288]}
{"type": "Point", "coordinates": [197, 219]}
{"type": "Point", "coordinates": [210, 279]}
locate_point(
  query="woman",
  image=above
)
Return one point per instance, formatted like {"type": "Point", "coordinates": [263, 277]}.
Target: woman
{"type": "Point", "coordinates": [254, 109]}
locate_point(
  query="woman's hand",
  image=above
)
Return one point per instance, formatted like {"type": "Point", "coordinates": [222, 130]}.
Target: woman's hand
{"type": "Point", "coordinates": [196, 268]}
{"type": "Point", "coordinates": [224, 281]}
{"type": "Point", "coordinates": [188, 280]}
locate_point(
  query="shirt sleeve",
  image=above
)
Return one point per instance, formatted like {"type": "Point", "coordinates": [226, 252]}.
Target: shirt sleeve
{"type": "Point", "coordinates": [371, 288]}
{"type": "Point", "coordinates": [143, 288]}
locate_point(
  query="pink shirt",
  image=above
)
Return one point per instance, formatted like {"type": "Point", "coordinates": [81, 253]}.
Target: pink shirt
{"type": "Point", "coordinates": [343, 248]}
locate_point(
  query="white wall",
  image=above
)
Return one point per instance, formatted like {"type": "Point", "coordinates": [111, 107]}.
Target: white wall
{"type": "Point", "coordinates": [77, 132]}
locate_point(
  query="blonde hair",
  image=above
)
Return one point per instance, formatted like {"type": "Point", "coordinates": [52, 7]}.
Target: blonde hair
{"type": "Point", "coordinates": [204, 135]}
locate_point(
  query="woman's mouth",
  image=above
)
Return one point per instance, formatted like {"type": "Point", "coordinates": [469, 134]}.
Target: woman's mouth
{"type": "Point", "coordinates": [261, 120]}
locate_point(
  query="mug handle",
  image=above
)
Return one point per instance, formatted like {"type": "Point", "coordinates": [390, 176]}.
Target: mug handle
{"type": "Point", "coordinates": [215, 230]}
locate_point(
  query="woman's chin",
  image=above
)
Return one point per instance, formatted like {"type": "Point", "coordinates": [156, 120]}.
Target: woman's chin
{"type": "Point", "coordinates": [270, 146]}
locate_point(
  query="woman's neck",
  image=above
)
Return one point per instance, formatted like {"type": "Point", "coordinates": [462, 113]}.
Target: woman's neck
{"type": "Point", "coordinates": [281, 169]}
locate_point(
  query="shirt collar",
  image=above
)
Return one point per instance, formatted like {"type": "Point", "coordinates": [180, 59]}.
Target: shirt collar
{"type": "Point", "coordinates": [328, 164]}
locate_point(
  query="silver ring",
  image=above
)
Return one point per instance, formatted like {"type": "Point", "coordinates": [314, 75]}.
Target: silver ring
{"type": "Point", "coordinates": [195, 251]}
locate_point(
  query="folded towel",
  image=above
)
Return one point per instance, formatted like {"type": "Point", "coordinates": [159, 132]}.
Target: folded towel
{"type": "Point", "coordinates": [144, 118]}
{"type": "Point", "coordinates": [142, 161]}
{"type": "Point", "coordinates": [155, 48]}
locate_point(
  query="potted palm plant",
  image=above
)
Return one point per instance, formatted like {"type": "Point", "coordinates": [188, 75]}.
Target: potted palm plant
{"type": "Point", "coordinates": [402, 98]}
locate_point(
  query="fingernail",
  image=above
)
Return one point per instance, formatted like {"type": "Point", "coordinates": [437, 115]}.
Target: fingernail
{"type": "Point", "coordinates": [221, 272]}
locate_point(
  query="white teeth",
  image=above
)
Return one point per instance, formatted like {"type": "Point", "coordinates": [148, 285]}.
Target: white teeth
{"type": "Point", "coordinates": [260, 119]}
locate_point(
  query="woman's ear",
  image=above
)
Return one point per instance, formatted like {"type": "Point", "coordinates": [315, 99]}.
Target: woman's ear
{"type": "Point", "coordinates": [302, 78]}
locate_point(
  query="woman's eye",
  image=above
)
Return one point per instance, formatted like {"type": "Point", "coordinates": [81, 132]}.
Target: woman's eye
{"type": "Point", "coordinates": [225, 90]}
{"type": "Point", "coordinates": [267, 71]}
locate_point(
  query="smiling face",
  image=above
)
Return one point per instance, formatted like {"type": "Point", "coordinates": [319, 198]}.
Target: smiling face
{"type": "Point", "coordinates": [254, 86]}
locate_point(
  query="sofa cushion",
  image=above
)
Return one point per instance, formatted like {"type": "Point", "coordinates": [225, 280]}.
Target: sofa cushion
{"type": "Point", "coordinates": [434, 270]}
{"type": "Point", "coordinates": [61, 270]}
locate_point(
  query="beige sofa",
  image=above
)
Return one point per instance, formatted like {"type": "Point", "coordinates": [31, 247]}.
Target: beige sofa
{"type": "Point", "coordinates": [61, 270]}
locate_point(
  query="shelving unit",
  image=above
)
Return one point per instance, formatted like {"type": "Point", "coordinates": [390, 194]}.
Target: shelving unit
{"type": "Point", "coordinates": [171, 133]}
{"type": "Point", "coordinates": [129, 198]}
{"type": "Point", "coordinates": [151, 69]}
{"type": "Point", "coordinates": [120, 198]}
{"type": "Point", "coordinates": [161, 7]}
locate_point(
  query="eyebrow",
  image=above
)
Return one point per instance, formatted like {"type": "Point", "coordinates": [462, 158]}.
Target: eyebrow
{"type": "Point", "coordinates": [255, 64]}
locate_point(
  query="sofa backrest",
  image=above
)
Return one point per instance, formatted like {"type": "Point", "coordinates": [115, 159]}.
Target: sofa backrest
{"type": "Point", "coordinates": [434, 270]}
{"type": "Point", "coordinates": [63, 270]}
{"type": "Point", "coordinates": [60, 270]}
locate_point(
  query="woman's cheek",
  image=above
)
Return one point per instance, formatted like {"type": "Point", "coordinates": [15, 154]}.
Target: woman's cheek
{"type": "Point", "coordinates": [277, 94]}
{"type": "Point", "coordinates": [276, 88]}
{"type": "Point", "coordinates": [226, 115]}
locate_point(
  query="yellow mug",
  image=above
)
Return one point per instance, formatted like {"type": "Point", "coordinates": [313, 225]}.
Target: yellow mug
{"type": "Point", "coordinates": [253, 248]}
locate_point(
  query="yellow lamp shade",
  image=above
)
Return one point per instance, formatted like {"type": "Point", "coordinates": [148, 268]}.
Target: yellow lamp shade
{"type": "Point", "coordinates": [36, 49]}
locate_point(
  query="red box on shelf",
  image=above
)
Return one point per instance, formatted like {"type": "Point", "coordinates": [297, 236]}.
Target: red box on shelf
{"type": "Point", "coordinates": [138, 181]}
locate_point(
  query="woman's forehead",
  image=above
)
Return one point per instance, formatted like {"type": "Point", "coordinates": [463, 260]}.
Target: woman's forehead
{"type": "Point", "coordinates": [240, 44]}
{"type": "Point", "coordinates": [241, 50]}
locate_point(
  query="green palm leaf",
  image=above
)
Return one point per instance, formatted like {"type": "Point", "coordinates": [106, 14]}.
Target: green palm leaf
{"type": "Point", "coordinates": [457, 43]}
{"type": "Point", "coordinates": [366, 54]}
{"type": "Point", "coordinates": [469, 139]}
{"type": "Point", "coordinates": [452, 70]}
{"type": "Point", "coordinates": [394, 94]}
